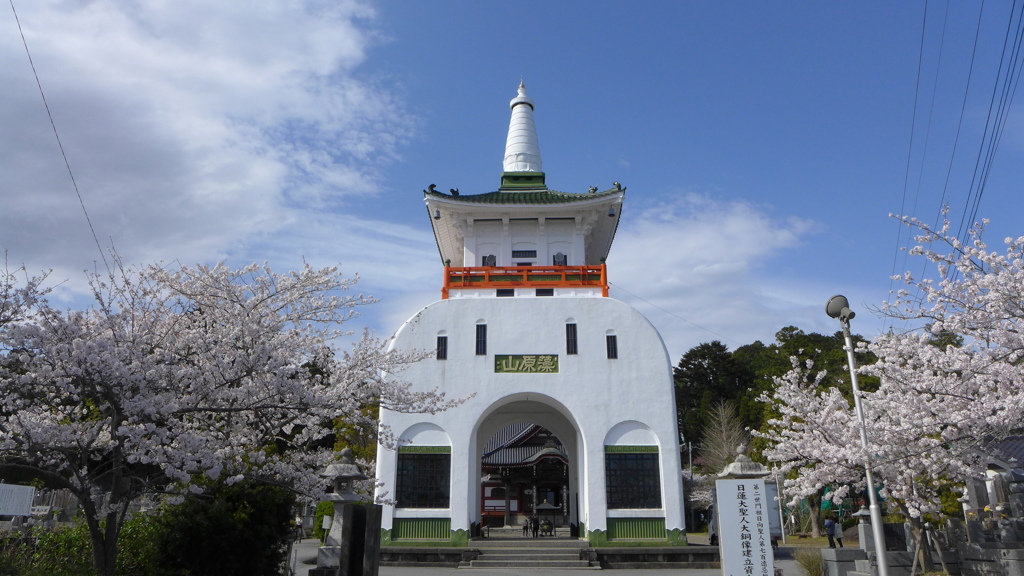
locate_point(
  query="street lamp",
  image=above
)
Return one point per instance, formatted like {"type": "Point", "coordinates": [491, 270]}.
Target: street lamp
{"type": "Point", "coordinates": [839, 307]}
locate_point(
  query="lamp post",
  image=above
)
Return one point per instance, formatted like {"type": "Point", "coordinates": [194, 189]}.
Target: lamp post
{"type": "Point", "coordinates": [839, 307]}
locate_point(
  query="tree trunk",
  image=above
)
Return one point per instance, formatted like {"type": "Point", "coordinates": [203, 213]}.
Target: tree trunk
{"type": "Point", "coordinates": [104, 532]}
{"type": "Point", "coordinates": [924, 557]}
{"type": "Point", "coordinates": [814, 503]}
{"type": "Point", "coordinates": [104, 537]}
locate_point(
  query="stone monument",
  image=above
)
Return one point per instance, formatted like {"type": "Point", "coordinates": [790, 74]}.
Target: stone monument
{"type": "Point", "coordinates": [352, 546]}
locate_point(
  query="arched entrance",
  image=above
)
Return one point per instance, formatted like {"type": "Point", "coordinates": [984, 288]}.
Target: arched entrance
{"type": "Point", "coordinates": [528, 464]}
{"type": "Point", "coordinates": [525, 473]}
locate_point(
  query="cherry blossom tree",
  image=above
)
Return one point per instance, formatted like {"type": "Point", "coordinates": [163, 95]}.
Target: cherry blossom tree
{"type": "Point", "coordinates": [939, 397]}
{"type": "Point", "coordinates": [174, 378]}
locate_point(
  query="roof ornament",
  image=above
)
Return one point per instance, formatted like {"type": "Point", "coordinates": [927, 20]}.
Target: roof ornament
{"type": "Point", "coordinates": [522, 151]}
{"type": "Point", "coordinates": [743, 466]}
{"type": "Point", "coordinates": [430, 189]}
{"type": "Point", "coordinates": [454, 191]}
{"type": "Point", "coordinates": [592, 190]}
{"type": "Point", "coordinates": [618, 187]}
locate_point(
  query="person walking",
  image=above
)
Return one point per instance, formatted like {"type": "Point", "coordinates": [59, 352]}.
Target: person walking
{"type": "Point", "coordinates": [830, 531]}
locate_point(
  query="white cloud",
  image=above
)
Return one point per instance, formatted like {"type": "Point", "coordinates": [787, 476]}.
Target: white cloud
{"type": "Point", "coordinates": [196, 131]}
{"type": "Point", "coordinates": [700, 270]}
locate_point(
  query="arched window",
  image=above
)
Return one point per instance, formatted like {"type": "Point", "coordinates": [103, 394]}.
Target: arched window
{"type": "Point", "coordinates": [442, 345]}
{"type": "Point", "coordinates": [570, 338]}
{"type": "Point", "coordinates": [481, 339]}
{"type": "Point", "coordinates": [632, 477]}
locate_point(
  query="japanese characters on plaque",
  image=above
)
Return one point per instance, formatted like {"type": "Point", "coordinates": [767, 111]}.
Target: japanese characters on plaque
{"type": "Point", "coordinates": [526, 363]}
{"type": "Point", "coordinates": [743, 528]}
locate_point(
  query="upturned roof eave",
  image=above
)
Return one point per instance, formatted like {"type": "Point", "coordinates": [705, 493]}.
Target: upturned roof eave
{"type": "Point", "coordinates": [515, 198]}
{"type": "Point", "coordinates": [445, 211]}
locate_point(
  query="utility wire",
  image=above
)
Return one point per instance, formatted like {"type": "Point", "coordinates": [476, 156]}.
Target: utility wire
{"type": "Point", "coordinates": [996, 120]}
{"type": "Point", "coordinates": [676, 316]}
{"type": "Point", "coordinates": [960, 122]}
{"type": "Point", "coordinates": [1006, 101]}
{"type": "Point", "coordinates": [57, 136]}
{"type": "Point", "coordinates": [910, 151]}
{"type": "Point", "coordinates": [931, 106]}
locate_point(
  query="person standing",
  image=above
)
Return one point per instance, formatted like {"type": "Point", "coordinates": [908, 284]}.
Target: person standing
{"type": "Point", "coordinates": [839, 533]}
{"type": "Point", "coordinates": [535, 525]}
{"type": "Point", "coordinates": [830, 531]}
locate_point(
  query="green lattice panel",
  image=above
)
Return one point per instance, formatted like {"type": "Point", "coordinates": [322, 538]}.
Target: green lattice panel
{"type": "Point", "coordinates": [636, 528]}
{"type": "Point", "coordinates": [424, 529]}
{"type": "Point", "coordinates": [424, 449]}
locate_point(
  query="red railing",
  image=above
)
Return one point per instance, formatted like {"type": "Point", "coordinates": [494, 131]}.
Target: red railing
{"type": "Point", "coordinates": [480, 277]}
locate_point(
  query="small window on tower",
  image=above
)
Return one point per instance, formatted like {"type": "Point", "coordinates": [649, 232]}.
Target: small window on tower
{"type": "Point", "coordinates": [481, 339]}
{"type": "Point", "coordinates": [612, 344]}
{"type": "Point", "coordinates": [506, 292]}
{"type": "Point", "coordinates": [560, 259]}
{"type": "Point", "coordinates": [490, 260]}
{"type": "Point", "coordinates": [545, 291]}
{"type": "Point", "coordinates": [570, 338]}
{"type": "Point", "coordinates": [442, 347]}
{"type": "Point", "coordinates": [524, 253]}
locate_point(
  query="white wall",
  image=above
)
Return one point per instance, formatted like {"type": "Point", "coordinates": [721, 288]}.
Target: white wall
{"type": "Point", "coordinates": [501, 237]}
{"type": "Point", "coordinates": [593, 393]}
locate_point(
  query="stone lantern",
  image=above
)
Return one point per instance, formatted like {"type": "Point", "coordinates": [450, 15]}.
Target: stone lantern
{"type": "Point", "coordinates": [353, 543]}
{"type": "Point", "coordinates": [343, 476]}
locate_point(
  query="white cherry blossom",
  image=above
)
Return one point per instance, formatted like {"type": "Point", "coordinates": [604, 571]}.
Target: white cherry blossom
{"type": "Point", "coordinates": [175, 375]}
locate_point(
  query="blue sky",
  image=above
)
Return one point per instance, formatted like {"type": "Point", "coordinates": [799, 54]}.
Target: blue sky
{"type": "Point", "coordinates": [763, 145]}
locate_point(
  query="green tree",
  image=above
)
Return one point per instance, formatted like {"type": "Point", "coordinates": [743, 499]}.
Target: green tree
{"type": "Point", "coordinates": [706, 374]}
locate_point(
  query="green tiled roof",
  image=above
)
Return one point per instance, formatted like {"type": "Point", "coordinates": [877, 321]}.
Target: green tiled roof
{"type": "Point", "coordinates": [523, 197]}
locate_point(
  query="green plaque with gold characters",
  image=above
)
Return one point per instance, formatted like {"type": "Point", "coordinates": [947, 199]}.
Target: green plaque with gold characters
{"type": "Point", "coordinates": [526, 363]}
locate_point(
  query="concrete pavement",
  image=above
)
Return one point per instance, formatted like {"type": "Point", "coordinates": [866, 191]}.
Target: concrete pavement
{"type": "Point", "coordinates": [304, 558]}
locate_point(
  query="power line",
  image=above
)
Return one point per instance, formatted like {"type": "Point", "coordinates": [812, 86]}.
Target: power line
{"type": "Point", "coordinates": [910, 151]}
{"type": "Point", "coordinates": [57, 136]}
{"type": "Point", "coordinates": [996, 120]}
{"type": "Point", "coordinates": [676, 316]}
{"type": "Point", "coordinates": [960, 121]}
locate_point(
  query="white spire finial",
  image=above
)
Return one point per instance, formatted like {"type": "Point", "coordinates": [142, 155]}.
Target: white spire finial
{"type": "Point", "coordinates": [522, 152]}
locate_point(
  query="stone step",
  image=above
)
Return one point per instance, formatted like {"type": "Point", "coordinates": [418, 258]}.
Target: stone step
{"type": "Point", "coordinates": [530, 553]}
{"type": "Point", "coordinates": [546, 557]}
{"type": "Point", "coordinates": [529, 543]}
{"type": "Point", "coordinates": [531, 564]}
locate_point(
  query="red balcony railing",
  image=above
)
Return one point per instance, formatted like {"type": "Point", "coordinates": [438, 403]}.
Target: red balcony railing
{"type": "Point", "coordinates": [481, 277]}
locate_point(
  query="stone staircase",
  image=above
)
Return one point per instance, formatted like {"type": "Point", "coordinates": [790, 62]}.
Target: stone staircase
{"type": "Point", "coordinates": [541, 553]}
{"type": "Point", "coordinates": [863, 568]}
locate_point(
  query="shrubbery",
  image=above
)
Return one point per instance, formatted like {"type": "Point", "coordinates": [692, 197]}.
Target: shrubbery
{"type": "Point", "coordinates": [67, 551]}
{"type": "Point", "coordinates": [242, 529]}
{"type": "Point", "coordinates": [322, 509]}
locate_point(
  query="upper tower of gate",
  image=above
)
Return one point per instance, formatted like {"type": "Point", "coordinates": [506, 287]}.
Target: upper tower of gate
{"type": "Point", "coordinates": [524, 237]}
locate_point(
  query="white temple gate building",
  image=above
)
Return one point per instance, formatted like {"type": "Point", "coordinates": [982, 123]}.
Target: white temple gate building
{"type": "Point", "coordinates": [572, 413]}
